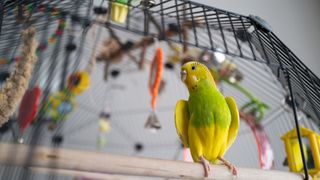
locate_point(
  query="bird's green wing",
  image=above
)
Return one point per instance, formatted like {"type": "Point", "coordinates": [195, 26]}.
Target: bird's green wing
{"type": "Point", "coordinates": [234, 126]}
{"type": "Point", "coordinates": [182, 121]}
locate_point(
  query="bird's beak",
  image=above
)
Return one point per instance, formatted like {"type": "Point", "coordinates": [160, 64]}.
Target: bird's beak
{"type": "Point", "coordinates": [183, 74]}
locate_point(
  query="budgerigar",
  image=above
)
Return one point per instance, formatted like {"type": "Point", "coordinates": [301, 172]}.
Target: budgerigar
{"type": "Point", "coordinates": [208, 122]}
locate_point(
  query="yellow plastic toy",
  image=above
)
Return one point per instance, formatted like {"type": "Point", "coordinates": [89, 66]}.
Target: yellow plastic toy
{"type": "Point", "coordinates": [311, 149]}
{"type": "Point", "coordinates": [104, 128]}
{"type": "Point", "coordinates": [119, 11]}
{"type": "Point", "coordinates": [297, 159]}
{"type": "Point", "coordinates": [78, 82]}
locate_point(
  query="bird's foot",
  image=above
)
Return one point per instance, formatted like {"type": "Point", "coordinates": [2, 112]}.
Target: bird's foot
{"type": "Point", "coordinates": [230, 166]}
{"type": "Point", "coordinates": [206, 166]}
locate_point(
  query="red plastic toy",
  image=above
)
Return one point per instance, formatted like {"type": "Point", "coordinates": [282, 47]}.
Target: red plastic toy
{"type": "Point", "coordinates": [28, 108]}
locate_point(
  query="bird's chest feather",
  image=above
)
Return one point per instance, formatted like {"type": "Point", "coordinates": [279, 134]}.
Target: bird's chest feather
{"type": "Point", "coordinates": [207, 107]}
{"type": "Point", "coordinates": [201, 105]}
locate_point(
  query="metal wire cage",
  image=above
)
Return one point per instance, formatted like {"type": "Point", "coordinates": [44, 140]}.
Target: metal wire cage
{"type": "Point", "coordinates": [241, 37]}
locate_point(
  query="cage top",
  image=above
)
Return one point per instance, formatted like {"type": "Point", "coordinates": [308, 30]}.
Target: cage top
{"type": "Point", "coordinates": [210, 28]}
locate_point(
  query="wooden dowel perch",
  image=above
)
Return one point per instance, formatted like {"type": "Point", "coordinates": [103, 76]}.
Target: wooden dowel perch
{"type": "Point", "coordinates": [102, 163]}
{"type": "Point", "coordinates": [83, 174]}
{"type": "Point", "coordinates": [16, 85]}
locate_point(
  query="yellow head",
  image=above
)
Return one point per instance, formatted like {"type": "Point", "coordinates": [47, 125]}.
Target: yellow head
{"type": "Point", "coordinates": [192, 72]}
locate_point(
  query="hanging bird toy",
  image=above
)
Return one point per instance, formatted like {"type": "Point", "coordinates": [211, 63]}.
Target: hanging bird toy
{"type": "Point", "coordinates": [154, 85]}
{"type": "Point", "coordinates": [59, 106]}
{"type": "Point", "coordinates": [78, 82]}
{"type": "Point", "coordinates": [62, 103]}
{"type": "Point", "coordinates": [104, 128]}
{"type": "Point", "coordinates": [119, 9]}
{"type": "Point", "coordinates": [28, 109]}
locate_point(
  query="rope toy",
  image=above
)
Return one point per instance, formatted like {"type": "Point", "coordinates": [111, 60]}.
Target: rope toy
{"type": "Point", "coordinates": [16, 85]}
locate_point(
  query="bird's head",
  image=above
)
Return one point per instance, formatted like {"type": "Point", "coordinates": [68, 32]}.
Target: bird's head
{"type": "Point", "coordinates": [192, 72]}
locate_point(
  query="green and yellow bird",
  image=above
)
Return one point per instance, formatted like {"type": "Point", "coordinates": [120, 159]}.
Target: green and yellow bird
{"type": "Point", "coordinates": [208, 123]}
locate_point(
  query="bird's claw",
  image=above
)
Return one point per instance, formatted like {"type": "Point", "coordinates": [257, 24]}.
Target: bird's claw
{"type": "Point", "coordinates": [206, 166]}
{"type": "Point", "coordinates": [230, 166]}
{"type": "Point", "coordinates": [234, 170]}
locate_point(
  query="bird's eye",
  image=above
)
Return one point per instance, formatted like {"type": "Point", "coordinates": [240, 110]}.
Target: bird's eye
{"type": "Point", "coordinates": [193, 68]}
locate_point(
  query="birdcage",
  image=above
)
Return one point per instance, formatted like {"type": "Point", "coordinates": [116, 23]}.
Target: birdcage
{"type": "Point", "coordinates": [100, 51]}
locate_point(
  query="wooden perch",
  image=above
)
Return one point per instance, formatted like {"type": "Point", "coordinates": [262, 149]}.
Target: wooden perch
{"type": "Point", "coordinates": [83, 174]}
{"type": "Point", "coordinates": [75, 161]}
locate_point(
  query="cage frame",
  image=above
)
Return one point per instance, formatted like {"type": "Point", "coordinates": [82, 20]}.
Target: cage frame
{"type": "Point", "coordinates": [302, 84]}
